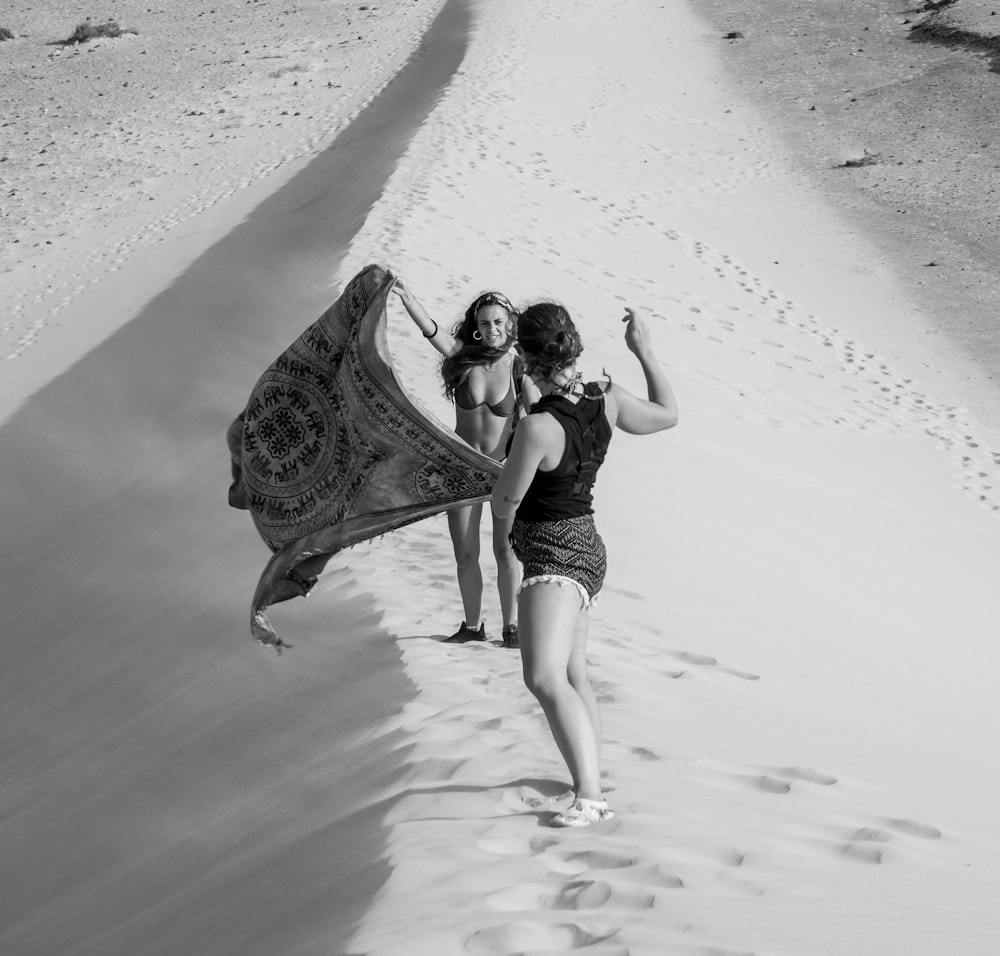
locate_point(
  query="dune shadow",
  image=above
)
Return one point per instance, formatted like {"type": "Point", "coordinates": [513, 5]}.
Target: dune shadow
{"type": "Point", "coordinates": [162, 768]}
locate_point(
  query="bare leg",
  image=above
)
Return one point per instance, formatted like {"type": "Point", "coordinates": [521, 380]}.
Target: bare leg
{"type": "Point", "coordinates": [578, 676]}
{"type": "Point", "coordinates": [508, 569]}
{"type": "Point", "coordinates": [552, 645]}
{"type": "Point", "coordinates": [463, 524]}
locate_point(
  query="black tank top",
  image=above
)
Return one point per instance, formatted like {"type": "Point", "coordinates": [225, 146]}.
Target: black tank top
{"type": "Point", "coordinates": [567, 490]}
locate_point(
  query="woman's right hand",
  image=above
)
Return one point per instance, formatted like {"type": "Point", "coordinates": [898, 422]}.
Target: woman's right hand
{"type": "Point", "coordinates": [445, 344]}
{"type": "Point", "coordinates": [401, 289]}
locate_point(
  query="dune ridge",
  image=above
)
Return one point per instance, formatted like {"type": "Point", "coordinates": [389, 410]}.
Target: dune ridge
{"type": "Point", "coordinates": [793, 650]}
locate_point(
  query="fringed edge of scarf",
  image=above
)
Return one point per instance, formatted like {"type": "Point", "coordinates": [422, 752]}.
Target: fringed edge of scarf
{"type": "Point", "coordinates": [280, 580]}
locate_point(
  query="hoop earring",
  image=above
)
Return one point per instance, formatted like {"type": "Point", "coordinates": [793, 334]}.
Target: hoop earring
{"type": "Point", "coordinates": [477, 335]}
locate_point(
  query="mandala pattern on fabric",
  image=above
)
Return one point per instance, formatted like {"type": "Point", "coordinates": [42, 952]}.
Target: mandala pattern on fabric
{"type": "Point", "coordinates": [334, 451]}
{"type": "Point", "coordinates": [301, 457]}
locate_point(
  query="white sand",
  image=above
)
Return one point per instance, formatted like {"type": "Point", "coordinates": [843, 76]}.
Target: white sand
{"type": "Point", "coordinates": [144, 150]}
{"type": "Point", "coordinates": [794, 649]}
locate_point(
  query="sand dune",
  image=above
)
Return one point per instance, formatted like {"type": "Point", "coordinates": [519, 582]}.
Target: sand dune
{"type": "Point", "coordinates": [793, 651]}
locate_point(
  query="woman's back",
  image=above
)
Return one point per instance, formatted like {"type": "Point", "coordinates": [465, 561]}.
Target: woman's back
{"type": "Point", "coordinates": [565, 490]}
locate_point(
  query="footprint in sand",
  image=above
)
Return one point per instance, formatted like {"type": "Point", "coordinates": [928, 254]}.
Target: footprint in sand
{"type": "Point", "coordinates": [574, 895]}
{"type": "Point", "coordinates": [691, 658]}
{"type": "Point", "coordinates": [627, 886]}
{"type": "Point", "coordinates": [584, 861]}
{"type": "Point", "coordinates": [502, 841]}
{"type": "Point", "coordinates": [913, 828]}
{"type": "Point", "coordinates": [527, 936]}
{"type": "Point", "coordinates": [530, 798]}
{"type": "Point", "coordinates": [672, 675]}
{"type": "Point", "coordinates": [865, 845]}
{"type": "Point", "coordinates": [506, 846]}
{"type": "Point", "coordinates": [649, 875]}
{"type": "Point", "coordinates": [862, 852]}
{"type": "Point", "coordinates": [741, 675]}
{"type": "Point", "coordinates": [442, 731]}
{"type": "Point", "coordinates": [805, 774]}
{"type": "Point", "coordinates": [870, 835]}
{"type": "Point", "coordinates": [869, 844]}
{"type": "Point", "coordinates": [768, 784]}
{"type": "Point", "coordinates": [704, 660]}
{"type": "Point", "coordinates": [779, 779]}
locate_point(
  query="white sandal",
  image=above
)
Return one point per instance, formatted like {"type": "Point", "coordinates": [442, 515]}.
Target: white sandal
{"type": "Point", "coordinates": [583, 813]}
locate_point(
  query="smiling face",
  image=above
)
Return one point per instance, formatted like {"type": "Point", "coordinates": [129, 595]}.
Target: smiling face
{"type": "Point", "coordinates": [494, 325]}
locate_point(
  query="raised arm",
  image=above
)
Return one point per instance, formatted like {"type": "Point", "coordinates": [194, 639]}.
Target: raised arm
{"type": "Point", "coordinates": [659, 411]}
{"type": "Point", "coordinates": [440, 338]}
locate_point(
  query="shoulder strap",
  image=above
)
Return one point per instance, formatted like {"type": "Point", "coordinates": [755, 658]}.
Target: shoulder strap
{"type": "Point", "coordinates": [516, 377]}
{"type": "Point", "coordinates": [588, 411]}
{"type": "Point", "coordinates": [586, 420]}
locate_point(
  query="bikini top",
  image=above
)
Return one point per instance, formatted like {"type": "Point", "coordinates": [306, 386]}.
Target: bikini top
{"type": "Point", "coordinates": [502, 409]}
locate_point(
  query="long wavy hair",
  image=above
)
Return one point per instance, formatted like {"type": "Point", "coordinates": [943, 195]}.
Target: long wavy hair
{"type": "Point", "coordinates": [473, 352]}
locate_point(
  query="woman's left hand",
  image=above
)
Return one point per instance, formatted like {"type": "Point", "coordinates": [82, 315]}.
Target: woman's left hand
{"type": "Point", "coordinates": [637, 337]}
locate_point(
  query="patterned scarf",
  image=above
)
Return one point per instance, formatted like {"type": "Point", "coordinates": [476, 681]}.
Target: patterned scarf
{"type": "Point", "coordinates": [333, 452]}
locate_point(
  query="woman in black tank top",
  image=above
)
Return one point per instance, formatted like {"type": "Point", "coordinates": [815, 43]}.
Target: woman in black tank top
{"type": "Point", "coordinates": [485, 378]}
{"type": "Point", "coordinates": [546, 487]}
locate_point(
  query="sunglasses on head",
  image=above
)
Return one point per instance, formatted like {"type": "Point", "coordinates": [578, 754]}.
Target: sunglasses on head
{"type": "Point", "coordinates": [493, 298]}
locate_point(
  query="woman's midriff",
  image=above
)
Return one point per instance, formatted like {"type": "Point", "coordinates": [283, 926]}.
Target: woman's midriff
{"type": "Point", "coordinates": [483, 431]}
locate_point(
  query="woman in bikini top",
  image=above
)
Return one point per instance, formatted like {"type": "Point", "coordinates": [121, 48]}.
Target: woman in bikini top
{"type": "Point", "coordinates": [507, 405]}
{"type": "Point", "coordinates": [484, 377]}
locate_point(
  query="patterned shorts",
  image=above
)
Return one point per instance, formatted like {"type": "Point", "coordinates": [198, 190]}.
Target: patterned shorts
{"type": "Point", "coordinates": [568, 551]}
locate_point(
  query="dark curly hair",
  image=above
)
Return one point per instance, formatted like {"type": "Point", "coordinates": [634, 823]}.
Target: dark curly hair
{"type": "Point", "coordinates": [547, 337]}
{"type": "Point", "coordinates": [472, 353]}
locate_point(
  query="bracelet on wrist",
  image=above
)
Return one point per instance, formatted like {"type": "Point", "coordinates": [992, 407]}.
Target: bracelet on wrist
{"type": "Point", "coordinates": [435, 332]}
